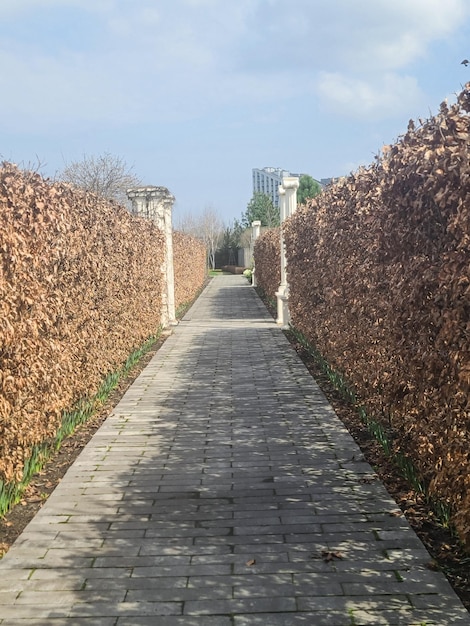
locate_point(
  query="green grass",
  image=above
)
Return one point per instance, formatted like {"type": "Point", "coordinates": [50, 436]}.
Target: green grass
{"type": "Point", "coordinates": [213, 273]}
{"type": "Point", "coordinates": [352, 618]}
{"type": "Point", "coordinates": [10, 493]}
{"type": "Point", "coordinates": [182, 308]}
{"type": "Point", "coordinates": [376, 429]}
{"type": "Point", "coordinates": [271, 303]}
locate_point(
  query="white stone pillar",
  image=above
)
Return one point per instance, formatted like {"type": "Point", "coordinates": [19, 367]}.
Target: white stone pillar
{"type": "Point", "coordinates": [156, 203]}
{"type": "Point", "coordinates": [288, 206]}
{"type": "Point", "coordinates": [255, 233]}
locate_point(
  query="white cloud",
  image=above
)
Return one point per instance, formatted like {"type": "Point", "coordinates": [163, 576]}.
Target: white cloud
{"type": "Point", "coordinates": [180, 59]}
{"type": "Point", "coordinates": [396, 34]}
{"type": "Point", "coordinates": [44, 92]}
{"type": "Point", "coordinates": [17, 8]}
{"type": "Point", "coordinates": [378, 98]}
{"type": "Point", "coordinates": [134, 24]}
{"type": "Point", "coordinates": [361, 35]}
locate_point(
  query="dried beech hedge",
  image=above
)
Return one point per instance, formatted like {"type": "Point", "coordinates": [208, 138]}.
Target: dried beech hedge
{"type": "Point", "coordinates": [190, 267]}
{"type": "Point", "coordinates": [80, 288]}
{"type": "Point", "coordinates": [267, 257]}
{"type": "Point", "coordinates": [379, 274]}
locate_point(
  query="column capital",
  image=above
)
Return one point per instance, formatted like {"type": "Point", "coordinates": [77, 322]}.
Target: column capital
{"type": "Point", "coordinates": [156, 203]}
{"type": "Point", "coordinates": [290, 182]}
{"type": "Point", "coordinates": [149, 191]}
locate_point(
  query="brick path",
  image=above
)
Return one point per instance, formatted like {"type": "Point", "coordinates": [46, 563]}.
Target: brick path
{"type": "Point", "coordinates": [220, 492]}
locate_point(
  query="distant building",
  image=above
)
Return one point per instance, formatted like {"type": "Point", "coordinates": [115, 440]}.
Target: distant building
{"type": "Point", "coordinates": [324, 182]}
{"type": "Point", "coordinates": [268, 179]}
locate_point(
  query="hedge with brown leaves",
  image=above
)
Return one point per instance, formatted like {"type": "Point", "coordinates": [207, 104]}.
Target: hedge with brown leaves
{"type": "Point", "coordinates": [190, 266]}
{"type": "Point", "coordinates": [80, 288]}
{"type": "Point", "coordinates": [267, 258]}
{"type": "Point", "coordinates": [379, 275]}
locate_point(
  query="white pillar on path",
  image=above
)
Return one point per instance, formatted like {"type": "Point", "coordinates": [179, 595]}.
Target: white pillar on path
{"type": "Point", "coordinates": [156, 203]}
{"type": "Point", "coordinates": [288, 206]}
{"type": "Point", "coordinates": [255, 233]}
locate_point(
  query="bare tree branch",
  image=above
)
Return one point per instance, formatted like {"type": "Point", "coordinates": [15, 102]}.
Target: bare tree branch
{"type": "Point", "coordinates": [208, 227]}
{"type": "Point", "coordinates": [105, 175]}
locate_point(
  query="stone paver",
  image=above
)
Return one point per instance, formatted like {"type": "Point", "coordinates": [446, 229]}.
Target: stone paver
{"type": "Point", "coordinates": [222, 491]}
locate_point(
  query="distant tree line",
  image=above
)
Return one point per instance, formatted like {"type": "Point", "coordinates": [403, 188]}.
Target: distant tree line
{"type": "Point", "coordinates": [109, 176]}
{"type": "Point", "coordinates": [105, 175]}
{"type": "Point", "coordinates": [261, 206]}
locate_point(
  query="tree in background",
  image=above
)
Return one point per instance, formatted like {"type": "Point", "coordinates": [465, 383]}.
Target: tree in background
{"type": "Point", "coordinates": [106, 175]}
{"type": "Point", "coordinates": [230, 243]}
{"type": "Point", "coordinates": [188, 224]}
{"type": "Point", "coordinates": [208, 227]}
{"type": "Point", "coordinates": [261, 208]}
{"type": "Point", "coordinates": [308, 188]}
{"type": "Point", "coordinates": [212, 230]}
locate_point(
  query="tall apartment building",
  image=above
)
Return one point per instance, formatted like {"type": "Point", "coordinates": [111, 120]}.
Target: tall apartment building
{"type": "Point", "coordinates": [267, 180]}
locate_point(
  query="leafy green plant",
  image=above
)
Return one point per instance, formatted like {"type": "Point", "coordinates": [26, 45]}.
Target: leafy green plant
{"type": "Point", "coordinates": [270, 303]}
{"type": "Point", "coordinates": [377, 430]}
{"type": "Point", "coordinates": [10, 493]}
{"type": "Point", "coordinates": [184, 306]}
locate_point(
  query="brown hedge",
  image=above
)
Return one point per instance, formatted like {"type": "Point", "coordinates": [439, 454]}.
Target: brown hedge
{"type": "Point", "coordinates": [80, 289]}
{"type": "Point", "coordinates": [190, 267]}
{"type": "Point", "coordinates": [379, 274]}
{"type": "Point", "coordinates": [267, 260]}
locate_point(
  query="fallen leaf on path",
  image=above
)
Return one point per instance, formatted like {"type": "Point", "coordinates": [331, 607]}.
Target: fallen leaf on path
{"type": "Point", "coordinates": [328, 556]}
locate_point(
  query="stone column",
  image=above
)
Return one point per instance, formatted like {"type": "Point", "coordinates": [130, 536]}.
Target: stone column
{"type": "Point", "coordinates": [156, 203]}
{"type": "Point", "coordinates": [288, 205]}
{"type": "Point", "coordinates": [255, 233]}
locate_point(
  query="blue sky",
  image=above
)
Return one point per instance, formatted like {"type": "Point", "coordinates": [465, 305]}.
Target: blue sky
{"type": "Point", "coordinates": [195, 93]}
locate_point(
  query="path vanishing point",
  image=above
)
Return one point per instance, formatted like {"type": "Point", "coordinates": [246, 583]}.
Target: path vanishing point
{"type": "Point", "coordinates": [223, 490]}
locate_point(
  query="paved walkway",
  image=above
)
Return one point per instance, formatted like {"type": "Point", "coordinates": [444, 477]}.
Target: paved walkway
{"type": "Point", "coordinates": [222, 491]}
